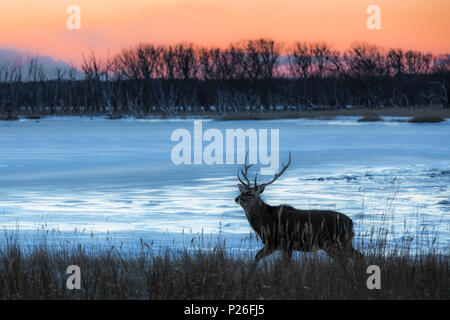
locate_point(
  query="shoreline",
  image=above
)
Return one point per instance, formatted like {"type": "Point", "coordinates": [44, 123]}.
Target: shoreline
{"type": "Point", "coordinates": [313, 114]}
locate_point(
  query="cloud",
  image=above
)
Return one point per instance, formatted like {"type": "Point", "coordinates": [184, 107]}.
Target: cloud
{"type": "Point", "coordinates": [22, 57]}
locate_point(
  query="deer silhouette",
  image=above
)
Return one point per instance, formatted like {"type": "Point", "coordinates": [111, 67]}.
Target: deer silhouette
{"type": "Point", "coordinates": [286, 229]}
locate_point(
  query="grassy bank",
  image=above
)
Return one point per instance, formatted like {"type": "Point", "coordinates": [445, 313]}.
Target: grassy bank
{"type": "Point", "coordinates": [415, 114]}
{"type": "Point", "coordinates": [40, 273]}
{"type": "Point", "coordinates": [433, 113]}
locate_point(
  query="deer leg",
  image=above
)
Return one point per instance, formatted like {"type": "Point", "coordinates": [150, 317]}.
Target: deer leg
{"type": "Point", "coordinates": [287, 255]}
{"type": "Point", "coordinates": [348, 251]}
{"type": "Point", "coordinates": [264, 252]}
{"type": "Point", "coordinates": [331, 252]}
{"type": "Point", "coordinates": [335, 252]}
{"type": "Point", "coordinates": [340, 254]}
{"type": "Point", "coordinates": [355, 254]}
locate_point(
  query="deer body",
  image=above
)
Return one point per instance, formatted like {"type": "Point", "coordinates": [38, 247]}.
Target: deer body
{"type": "Point", "coordinates": [286, 228]}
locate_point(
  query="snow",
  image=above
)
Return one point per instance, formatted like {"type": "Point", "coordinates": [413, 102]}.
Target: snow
{"type": "Point", "coordinates": [96, 175]}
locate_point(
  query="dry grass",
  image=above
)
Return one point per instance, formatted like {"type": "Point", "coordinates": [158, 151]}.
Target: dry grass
{"type": "Point", "coordinates": [427, 118]}
{"type": "Point", "coordinates": [39, 273]}
{"type": "Point", "coordinates": [326, 114]}
{"type": "Point", "coordinates": [370, 118]}
{"type": "Point", "coordinates": [320, 114]}
{"type": "Point", "coordinates": [7, 118]}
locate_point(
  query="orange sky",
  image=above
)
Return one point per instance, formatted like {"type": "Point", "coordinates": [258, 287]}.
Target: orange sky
{"type": "Point", "coordinates": [40, 25]}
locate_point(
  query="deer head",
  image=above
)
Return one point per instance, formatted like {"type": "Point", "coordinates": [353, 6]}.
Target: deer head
{"type": "Point", "coordinates": [250, 196]}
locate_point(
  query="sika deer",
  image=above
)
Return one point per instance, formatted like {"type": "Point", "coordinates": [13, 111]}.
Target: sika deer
{"type": "Point", "coordinates": [286, 228]}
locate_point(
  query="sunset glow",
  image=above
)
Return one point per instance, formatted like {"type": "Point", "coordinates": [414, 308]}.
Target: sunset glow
{"type": "Point", "coordinates": [40, 26]}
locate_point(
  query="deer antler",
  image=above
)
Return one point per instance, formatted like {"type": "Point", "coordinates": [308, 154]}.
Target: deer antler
{"type": "Point", "coordinates": [277, 175]}
{"type": "Point", "coordinates": [244, 171]}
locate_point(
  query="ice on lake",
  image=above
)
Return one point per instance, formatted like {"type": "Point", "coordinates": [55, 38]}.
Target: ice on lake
{"type": "Point", "coordinates": [117, 177]}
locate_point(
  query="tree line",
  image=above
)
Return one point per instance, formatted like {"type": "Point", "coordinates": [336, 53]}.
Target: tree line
{"type": "Point", "coordinates": [253, 75]}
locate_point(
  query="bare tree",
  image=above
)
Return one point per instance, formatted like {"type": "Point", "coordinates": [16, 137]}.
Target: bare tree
{"type": "Point", "coordinates": [300, 60]}
{"type": "Point", "coordinates": [261, 58]}
{"type": "Point", "coordinates": [168, 63]}
{"type": "Point", "coordinates": [185, 61]}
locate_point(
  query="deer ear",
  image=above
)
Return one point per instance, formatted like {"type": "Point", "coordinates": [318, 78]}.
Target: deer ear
{"type": "Point", "coordinates": [241, 188]}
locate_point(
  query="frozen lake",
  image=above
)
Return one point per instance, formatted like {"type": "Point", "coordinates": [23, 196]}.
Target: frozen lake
{"type": "Point", "coordinates": [97, 175]}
